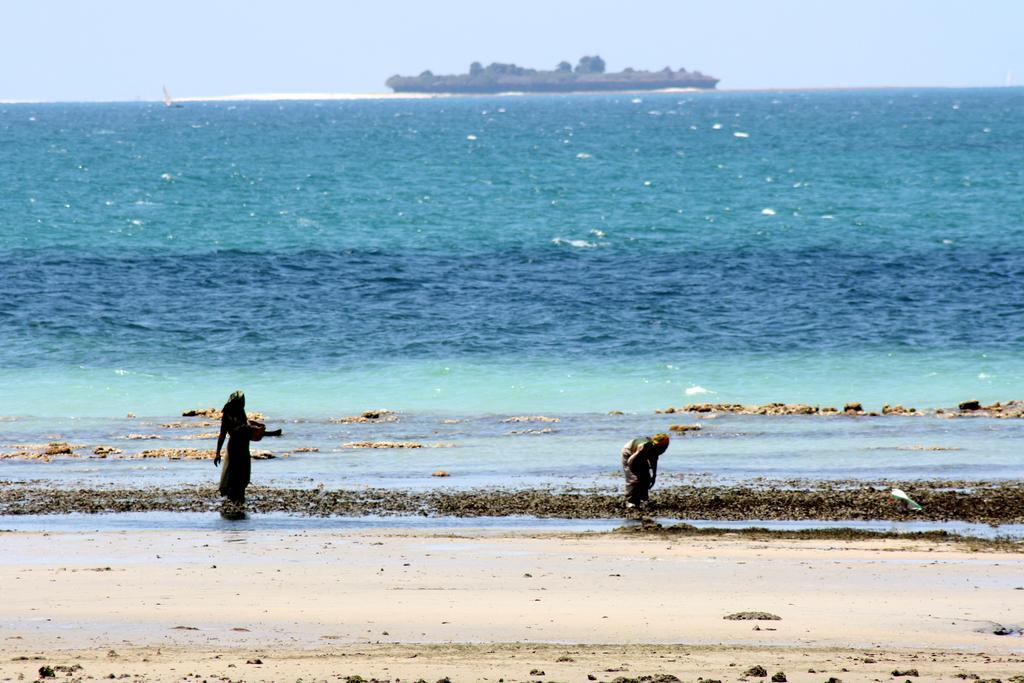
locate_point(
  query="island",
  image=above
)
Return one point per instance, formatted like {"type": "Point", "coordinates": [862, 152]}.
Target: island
{"type": "Point", "coordinates": [587, 76]}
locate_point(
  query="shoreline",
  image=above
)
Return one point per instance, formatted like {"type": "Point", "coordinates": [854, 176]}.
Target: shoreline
{"type": "Point", "coordinates": [990, 503]}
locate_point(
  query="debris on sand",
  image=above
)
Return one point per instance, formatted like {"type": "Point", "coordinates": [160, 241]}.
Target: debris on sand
{"type": "Point", "coordinates": [756, 670]}
{"type": "Point", "coordinates": [904, 672]}
{"type": "Point", "coordinates": [752, 616]}
{"type": "Point", "coordinates": [779, 677]}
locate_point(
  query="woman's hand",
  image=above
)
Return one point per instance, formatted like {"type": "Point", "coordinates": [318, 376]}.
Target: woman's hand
{"type": "Point", "coordinates": [216, 460]}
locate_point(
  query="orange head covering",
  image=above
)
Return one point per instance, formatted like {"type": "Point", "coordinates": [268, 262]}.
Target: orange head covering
{"type": "Point", "coordinates": [660, 439]}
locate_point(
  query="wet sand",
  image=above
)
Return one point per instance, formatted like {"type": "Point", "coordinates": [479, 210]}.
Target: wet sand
{"type": "Point", "coordinates": [485, 605]}
{"type": "Point", "coordinates": [976, 502]}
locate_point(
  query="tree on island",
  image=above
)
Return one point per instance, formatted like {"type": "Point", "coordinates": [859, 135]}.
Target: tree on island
{"type": "Point", "coordinates": [587, 76]}
{"type": "Point", "coordinates": [590, 65]}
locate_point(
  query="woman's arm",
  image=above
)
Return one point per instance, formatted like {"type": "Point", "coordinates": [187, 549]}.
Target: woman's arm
{"type": "Point", "coordinates": [220, 440]}
{"type": "Point", "coordinates": [634, 455]}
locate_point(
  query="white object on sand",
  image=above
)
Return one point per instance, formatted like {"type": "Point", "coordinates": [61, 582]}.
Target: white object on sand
{"type": "Point", "coordinates": [909, 502]}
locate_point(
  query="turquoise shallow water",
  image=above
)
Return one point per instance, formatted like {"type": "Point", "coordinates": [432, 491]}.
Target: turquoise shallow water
{"type": "Point", "coordinates": [521, 253]}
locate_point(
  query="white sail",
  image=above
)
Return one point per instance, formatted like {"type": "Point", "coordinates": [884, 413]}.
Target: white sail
{"type": "Point", "coordinates": [167, 98]}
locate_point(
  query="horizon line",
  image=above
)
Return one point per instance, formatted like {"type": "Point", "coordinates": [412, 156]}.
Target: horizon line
{"type": "Point", "coordinates": [356, 96]}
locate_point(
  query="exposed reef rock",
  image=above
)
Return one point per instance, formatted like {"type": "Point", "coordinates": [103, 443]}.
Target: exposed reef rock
{"type": "Point", "coordinates": [684, 428]}
{"type": "Point", "coordinates": [193, 454]}
{"type": "Point", "coordinates": [1009, 409]}
{"type": "Point", "coordinates": [981, 502]}
{"type": "Point", "coordinates": [381, 415]}
{"type": "Point", "coordinates": [212, 413]}
{"type": "Point", "coordinates": [215, 414]}
{"type": "Point", "coordinates": [740, 409]}
{"type": "Point", "coordinates": [395, 444]}
{"type": "Point", "coordinates": [899, 410]}
{"type": "Point", "coordinates": [531, 418]}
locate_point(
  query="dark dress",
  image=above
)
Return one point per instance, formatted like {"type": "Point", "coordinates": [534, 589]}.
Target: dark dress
{"type": "Point", "coordinates": [234, 474]}
{"type": "Point", "coordinates": [638, 475]}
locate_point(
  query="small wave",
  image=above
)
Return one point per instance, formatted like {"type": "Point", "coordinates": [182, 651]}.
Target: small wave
{"type": "Point", "coordinates": [717, 126]}
{"type": "Point", "coordinates": [582, 155]}
{"type": "Point", "coordinates": [636, 100]}
{"type": "Point", "coordinates": [600, 234]}
{"type": "Point", "coordinates": [740, 134]}
{"type": "Point", "coordinates": [695, 389]}
{"type": "Point", "coordinates": [767, 212]}
{"type": "Point", "coordinates": [578, 244]}
{"type": "Point", "coordinates": [167, 177]}
{"type": "Point", "coordinates": [471, 137]}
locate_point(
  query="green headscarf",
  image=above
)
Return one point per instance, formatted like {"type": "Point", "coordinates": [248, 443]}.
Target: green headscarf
{"type": "Point", "coordinates": [235, 405]}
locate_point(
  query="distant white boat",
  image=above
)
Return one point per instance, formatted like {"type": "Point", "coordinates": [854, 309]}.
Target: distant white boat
{"type": "Point", "coordinates": [168, 102]}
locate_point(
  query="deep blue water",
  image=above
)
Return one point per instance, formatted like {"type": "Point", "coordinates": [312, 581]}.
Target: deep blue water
{"type": "Point", "coordinates": [575, 253]}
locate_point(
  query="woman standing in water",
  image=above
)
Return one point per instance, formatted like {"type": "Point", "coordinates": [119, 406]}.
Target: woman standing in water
{"type": "Point", "coordinates": [240, 430]}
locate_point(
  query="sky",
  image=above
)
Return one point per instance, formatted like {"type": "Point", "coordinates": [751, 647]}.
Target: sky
{"type": "Point", "coordinates": [100, 50]}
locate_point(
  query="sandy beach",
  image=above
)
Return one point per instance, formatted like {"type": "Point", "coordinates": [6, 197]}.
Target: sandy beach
{"type": "Point", "coordinates": [487, 605]}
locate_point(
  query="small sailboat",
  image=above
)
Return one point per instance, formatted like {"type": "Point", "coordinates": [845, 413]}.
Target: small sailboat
{"type": "Point", "coordinates": [168, 102]}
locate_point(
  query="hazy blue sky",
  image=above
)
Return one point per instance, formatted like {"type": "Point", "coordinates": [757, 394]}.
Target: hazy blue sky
{"type": "Point", "coordinates": [125, 49]}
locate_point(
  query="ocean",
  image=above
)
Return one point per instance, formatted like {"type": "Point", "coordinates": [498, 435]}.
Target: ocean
{"type": "Point", "coordinates": [466, 259]}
